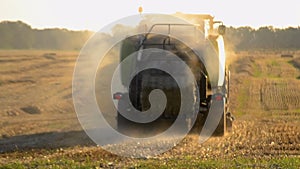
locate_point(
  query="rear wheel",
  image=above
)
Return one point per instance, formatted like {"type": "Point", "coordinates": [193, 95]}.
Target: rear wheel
{"type": "Point", "coordinates": [225, 124]}
{"type": "Point", "coordinates": [222, 126]}
{"type": "Point", "coordinates": [139, 91]}
{"type": "Point", "coordinates": [123, 125]}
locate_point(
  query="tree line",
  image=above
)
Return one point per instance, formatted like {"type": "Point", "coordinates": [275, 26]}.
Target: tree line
{"type": "Point", "coordinates": [247, 38]}
{"type": "Point", "coordinates": [19, 35]}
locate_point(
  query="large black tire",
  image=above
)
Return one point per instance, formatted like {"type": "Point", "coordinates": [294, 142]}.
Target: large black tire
{"type": "Point", "coordinates": [139, 92]}
{"type": "Point", "coordinates": [221, 129]}
{"type": "Point", "coordinates": [139, 130]}
{"type": "Point", "coordinates": [225, 124]}
{"type": "Point", "coordinates": [130, 128]}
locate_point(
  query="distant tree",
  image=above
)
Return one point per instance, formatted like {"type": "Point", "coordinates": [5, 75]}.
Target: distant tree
{"type": "Point", "coordinates": [15, 35]}
{"type": "Point", "coordinates": [247, 38]}
{"type": "Point", "coordinates": [18, 35]}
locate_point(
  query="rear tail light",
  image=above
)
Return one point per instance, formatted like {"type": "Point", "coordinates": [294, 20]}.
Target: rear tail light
{"type": "Point", "coordinates": [118, 96]}
{"type": "Point", "coordinates": [218, 97]}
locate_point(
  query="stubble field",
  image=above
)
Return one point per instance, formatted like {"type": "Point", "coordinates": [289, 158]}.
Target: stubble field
{"type": "Point", "coordinates": [39, 127]}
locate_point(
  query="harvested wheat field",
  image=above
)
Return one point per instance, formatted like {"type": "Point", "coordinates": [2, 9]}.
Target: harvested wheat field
{"type": "Point", "coordinates": [39, 127]}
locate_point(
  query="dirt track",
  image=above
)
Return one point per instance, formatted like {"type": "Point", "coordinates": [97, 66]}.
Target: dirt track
{"type": "Point", "coordinates": [37, 112]}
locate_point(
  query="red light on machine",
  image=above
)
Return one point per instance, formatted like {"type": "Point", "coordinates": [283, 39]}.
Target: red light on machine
{"type": "Point", "coordinates": [118, 96]}
{"type": "Point", "coordinates": [218, 97]}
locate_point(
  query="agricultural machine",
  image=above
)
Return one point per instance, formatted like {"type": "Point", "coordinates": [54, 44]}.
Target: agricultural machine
{"type": "Point", "coordinates": [213, 88]}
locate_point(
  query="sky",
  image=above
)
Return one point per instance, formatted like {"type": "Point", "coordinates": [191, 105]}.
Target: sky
{"type": "Point", "coordinates": [95, 14]}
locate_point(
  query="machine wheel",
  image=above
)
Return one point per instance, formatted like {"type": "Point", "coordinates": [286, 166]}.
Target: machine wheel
{"type": "Point", "coordinates": [221, 129]}
{"type": "Point", "coordinates": [229, 121]}
{"type": "Point", "coordinates": [126, 127]}
{"type": "Point", "coordinates": [225, 124]}
{"type": "Point", "coordinates": [222, 126]}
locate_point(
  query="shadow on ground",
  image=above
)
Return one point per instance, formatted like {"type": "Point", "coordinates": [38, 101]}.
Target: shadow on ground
{"type": "Point", "coordinates": [50, 140]}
